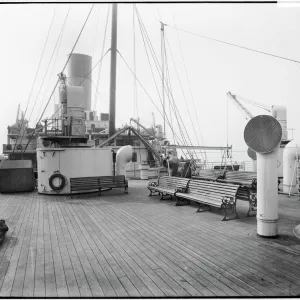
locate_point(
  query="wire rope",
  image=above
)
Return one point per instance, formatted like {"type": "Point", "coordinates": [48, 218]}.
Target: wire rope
{"type": "Point", "coordinates": [190, 89]}
{"type": "Point", "coordinates": [238, 46]}
{"type": "Point", "coordinates": [135, 105]}
{"type": "Point", "coordinates": [54, 64]}
{"type": "Point", "coordinates": [142, 27]}
{"type": "Point", "coordinates": [144, 88]}
{"type": "Point", "coordinates": [67, 61]}
{"type": "Point", "coordinates": [93, 68]}
{"type": "Point", "coordinates": [35, 77]}
{"type": "Point", "coordinates": [102, 51]}
{"type": "Point", "coordinates": [48, 67]}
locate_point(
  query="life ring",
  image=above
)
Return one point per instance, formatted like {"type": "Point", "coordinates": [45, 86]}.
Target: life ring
{"type": "Point", "coordinates": [62, 184]}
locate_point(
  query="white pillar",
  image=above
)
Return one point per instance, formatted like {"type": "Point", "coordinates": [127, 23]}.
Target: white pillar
{"type": "Point", "coordinates": [267, 194]}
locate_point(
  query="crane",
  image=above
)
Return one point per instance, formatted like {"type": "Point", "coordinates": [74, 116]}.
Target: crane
{"type": "Point", "coordinates": [246, 112]}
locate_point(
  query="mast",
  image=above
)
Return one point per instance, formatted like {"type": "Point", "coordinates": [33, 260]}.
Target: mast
{"type": "Point", "coordinates": [113, 66]}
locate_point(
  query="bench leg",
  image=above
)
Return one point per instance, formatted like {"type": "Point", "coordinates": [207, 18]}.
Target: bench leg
{"type": "Point", "coordinates": [229, 203]}
{"type": "Point", "coordinates": [181, 202]}
{"type": "Point", "coordinates": [201, 207]}
{"type": "Point", "coordinates": [153, 193]}
{"type": "Point", "coordinates": [252, 205]}
{"type": "Point", "coordinates": [162, 196]}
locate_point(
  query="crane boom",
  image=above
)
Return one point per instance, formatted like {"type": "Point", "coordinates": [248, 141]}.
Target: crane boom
{"type": "Point", "coordinates": [246, 112]}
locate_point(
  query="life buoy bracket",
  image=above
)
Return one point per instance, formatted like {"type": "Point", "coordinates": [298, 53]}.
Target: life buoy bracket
{"type": "Point", "coordinates": [62, 184]}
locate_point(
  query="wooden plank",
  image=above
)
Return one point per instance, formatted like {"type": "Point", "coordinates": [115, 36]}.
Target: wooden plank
{"type": "Point", "coordinates": [39, 272]}
{"type": "Point", "coordinates": [69, 273]}
{"type": "Point", "coordinates": [128, 239]}
{"type": "Point", "coordinates": [156, 258]}
{"type": "Point", "coordinates": [12, 254]}
{"type": "Point", "coordinates": [58, 266]}
{"type": "Point", "coordinates": [18, 282]}
{"type": "Point", "coordinates": [82, 283]}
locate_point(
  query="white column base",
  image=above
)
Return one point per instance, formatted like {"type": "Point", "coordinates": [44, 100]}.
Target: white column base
{"type": "Point", "coordinates": [267, 228]}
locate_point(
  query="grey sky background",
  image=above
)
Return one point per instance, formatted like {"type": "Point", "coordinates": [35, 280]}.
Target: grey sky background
{"type": "Point", "coordinates": [213, 68]}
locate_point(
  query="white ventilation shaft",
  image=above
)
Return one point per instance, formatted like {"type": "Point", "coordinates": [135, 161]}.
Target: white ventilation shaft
{"type": "Point", "coordinates": [263, 135]}
{"type": "Point", "coordinates": [124, 156]}
{"type": "Point", "coordinates": [252, 155]}
{"type": "Point", "coordinates": [291, 154]}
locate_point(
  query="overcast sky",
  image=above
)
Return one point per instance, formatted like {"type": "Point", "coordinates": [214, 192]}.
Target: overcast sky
{"type": "Point", "coordinates": [213, 69]}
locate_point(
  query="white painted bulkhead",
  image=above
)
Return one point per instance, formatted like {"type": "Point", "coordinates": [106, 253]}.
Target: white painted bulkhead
{"type": "Point", "coordinates": [291, 155]}
{"type": "Point", "coordinates": [71, 162]}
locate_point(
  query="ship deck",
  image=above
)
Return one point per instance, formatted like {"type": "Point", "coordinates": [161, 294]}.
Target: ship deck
{"type": "Point", "coordinates": [120, 245]}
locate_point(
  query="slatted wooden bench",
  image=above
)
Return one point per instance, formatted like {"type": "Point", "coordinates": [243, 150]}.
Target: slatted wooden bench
{"type": "Point", "coordinates": [245, 178]}
{"type": "Point", "coordinates": [118, 181]}
{"type": "Point", "coordinates": [209, 193]}
{"type": "Point", "coordinates": [210, 174]}
{"type": "Point", "coordinates": [98, 183]}
{"type": "Point", "coordinates": [167, 185]}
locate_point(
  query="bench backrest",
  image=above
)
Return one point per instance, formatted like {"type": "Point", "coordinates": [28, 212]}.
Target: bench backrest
{"type": "Point", "coordinates": [84, 180]}
{"type": "Point", "coordinates": [242, 175]}
{"type": "Point", "coordinates": [210, 189]}
{"type": "Point", "coordinates": [210, 174]}
{"type": "Point", "coordinates": [172, 182]}
{"type": "Point", "coordinates": [118, 179]}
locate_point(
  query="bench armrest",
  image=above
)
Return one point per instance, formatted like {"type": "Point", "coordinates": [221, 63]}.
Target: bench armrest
{"type": "Point", "coordinates": [227, 200]}
{"type": "Point", "coordinates": [153, 183]}
{"type": "Point", "coordinates": [180, 190]}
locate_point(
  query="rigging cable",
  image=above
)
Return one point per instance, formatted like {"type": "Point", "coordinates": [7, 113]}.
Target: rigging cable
{"type": "Point", "coordinates": [146, 92]}
{"type": "Point", "coordinates": [184, 97]}
{"type": "Point", "coordinates": [67, 62]}
{"type": "Point", "coordinates": [142, 27]}
{"type": "Point", "coordinates": [238, 46]}
{"type": "Point", "coordinates": [100, 60]}
{"type": "Point", "coordinates": [190, 90]}
{"type": "Point", "coordinates": [54, 64]}
{"type": "Point", "coordinates": [36, 73]}
{"type": "Point", "coordinates": [135, 104]}
{"type": "Point", "coordinates": [159, 69]}
{"type": "Point", "coordinates": [48, 66]}
{"type": "Point", "coordinates": [59, 39]}
{"type": "Point", "coordinates": [102, 51]}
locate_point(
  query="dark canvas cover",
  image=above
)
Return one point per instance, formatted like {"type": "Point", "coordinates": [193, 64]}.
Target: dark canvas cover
{"type": "Point", "coordinates": [16, 176]}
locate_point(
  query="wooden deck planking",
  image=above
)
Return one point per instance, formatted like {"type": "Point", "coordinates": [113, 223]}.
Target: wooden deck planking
{"type": "Point", "coordinates": [13, 253]}
{"type": "Point", "coordinates": [81, 280]}
{"type": "Point", "coordinates": [120, 236]}
{"type": "Point", "coordinates": [225, 256]}
{"type": "Point", "coordinates": [168, 262]}
{"type": "Point", "coordinates": [58, 265]}
{"type": "Point", "coordinates": [255, 255]}
{"type": "Point", "coordinates": [227, 253]}
{"type": "Point", "coordinates": [165, 263]}
{"type": "Point", "coordinates": [103, 278]}
{"type": "Point", "coordinates": [18, 281]}
{"type": "Point", "coordinates": [143, 290]}
{"type": "Point", "coordinates": [134, 245]}
{"type": "Point", "coordinates": [135, 266]}
{"type": "Point", "coordinates": [82, 254]}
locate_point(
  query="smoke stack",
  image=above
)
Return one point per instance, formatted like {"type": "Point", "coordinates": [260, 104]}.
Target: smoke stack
{"type": "Point", "coordinates": [79, 74]}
